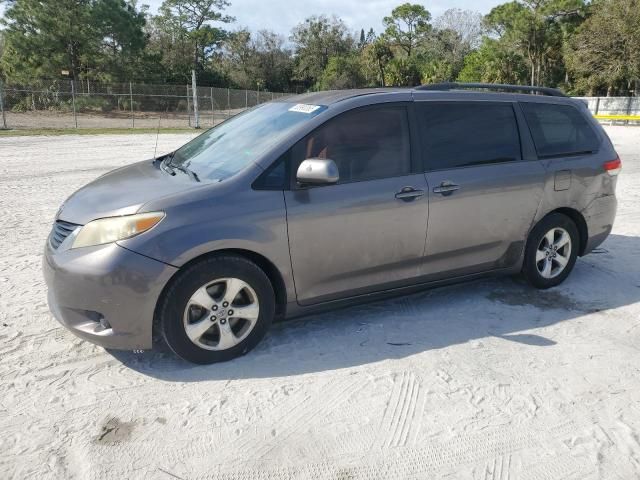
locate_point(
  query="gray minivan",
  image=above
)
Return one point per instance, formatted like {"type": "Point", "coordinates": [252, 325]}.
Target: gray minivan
{"type": "Point", "coordinates": [324, 199]}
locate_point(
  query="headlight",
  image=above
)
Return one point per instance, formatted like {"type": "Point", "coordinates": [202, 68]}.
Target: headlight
{"type": "Point", "coordinates": [112, 229]}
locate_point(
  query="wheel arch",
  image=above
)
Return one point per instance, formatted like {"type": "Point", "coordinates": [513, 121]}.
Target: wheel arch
{"type": "Point", "coordinates": [267, 266]}
{"type": "Point", "coordinates": [580, 222]}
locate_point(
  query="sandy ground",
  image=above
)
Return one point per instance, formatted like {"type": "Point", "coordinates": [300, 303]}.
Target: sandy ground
{"type": "Point", "coordinates": [486, 380]}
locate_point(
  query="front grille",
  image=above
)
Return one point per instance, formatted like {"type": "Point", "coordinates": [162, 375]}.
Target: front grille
{"type": "Point", "coordinates": [61, 230]}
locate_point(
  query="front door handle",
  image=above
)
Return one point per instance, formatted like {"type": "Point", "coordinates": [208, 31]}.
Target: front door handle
{"type": "Point", "coordinates": [409, 193]}
{"type": "Point", "coordinates": [446, 188]}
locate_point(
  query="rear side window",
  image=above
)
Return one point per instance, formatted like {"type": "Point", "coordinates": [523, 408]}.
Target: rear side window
{"type": "Point", "coordinates": [559, 130]}
{"type": "Point", "coordinates": [365, 143]}
{"type": "Point", "coordinates": [462, 134]}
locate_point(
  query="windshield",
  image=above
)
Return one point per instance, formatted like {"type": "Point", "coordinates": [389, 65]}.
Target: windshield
{"type": "Point", "coordinates": [226, 149]}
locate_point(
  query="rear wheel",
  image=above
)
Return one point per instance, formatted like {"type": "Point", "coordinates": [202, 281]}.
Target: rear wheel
{"type": "Point", "coordinates": [551, 251]}
{"type": "Point", "coordinates": [217, 309]}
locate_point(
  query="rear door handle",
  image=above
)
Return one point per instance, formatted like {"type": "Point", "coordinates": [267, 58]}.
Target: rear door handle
{"type": "Point", "coordinates": [409, 193]}
{"type": "Point", "coordinates": [446, 188]}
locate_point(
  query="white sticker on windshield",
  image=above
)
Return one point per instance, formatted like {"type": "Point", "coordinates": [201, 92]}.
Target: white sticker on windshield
{"type": "Point", "coordinates": [302, 108]}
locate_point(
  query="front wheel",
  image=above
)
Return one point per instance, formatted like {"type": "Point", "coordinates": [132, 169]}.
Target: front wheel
{"type": "Point", "coordinates": [217, 309]}
{"type": "Point", "coordinates": [551, 251]}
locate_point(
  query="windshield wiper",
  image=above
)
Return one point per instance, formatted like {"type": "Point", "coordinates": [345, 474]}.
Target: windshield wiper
{"type": "Point", "coordinates": [193, 175]}
{"type": "Point", "coordinates": [165, 165]}
{"type": "Point", "coordinates": [168, 166]}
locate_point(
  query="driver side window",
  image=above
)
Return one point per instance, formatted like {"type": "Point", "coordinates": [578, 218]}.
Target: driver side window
{"type": "Point", "coordinates": [366, 144]}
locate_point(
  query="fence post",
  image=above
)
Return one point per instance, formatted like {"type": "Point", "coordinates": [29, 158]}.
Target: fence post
{"type": "Point", "coordinates": [228, 102]}
{"type": "Point", "coordinates": [246, 99]}
{"type": "Point", "coordinates": [194, 89]}
{"type": "Point", "coordinates": [4, 119]}
{"type": "Point", "coordinates": [597, 105]}
{"type": "Point", "coordinates": [133, 118]}
{"type": "Point", "coordinates": [213, 116]}
{"type": "Point", "coordinates": [188, 106]}
{"type": "Point", "coordinates": [271, 96]}
{"type": "Point", "coordinates": [258, 102]}
{"type": "Point", "coordinates": [73, 102]}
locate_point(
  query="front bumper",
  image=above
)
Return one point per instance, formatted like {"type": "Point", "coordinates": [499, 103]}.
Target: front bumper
{"type": "Point", "coordinates": [106, 285]}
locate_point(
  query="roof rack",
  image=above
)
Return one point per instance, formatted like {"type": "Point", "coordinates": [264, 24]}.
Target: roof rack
{"type": "Point", "coordinates": [553, 92]}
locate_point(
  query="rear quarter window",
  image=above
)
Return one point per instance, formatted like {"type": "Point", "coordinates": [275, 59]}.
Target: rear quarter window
{"type": "Point", "coordinates": [559, 130]}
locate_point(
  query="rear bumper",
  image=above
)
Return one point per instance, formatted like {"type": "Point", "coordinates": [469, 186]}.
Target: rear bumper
{"type": "Point", "coordinates": [105, 283]}
{"type": "Point", "coordinates": [599, 215]}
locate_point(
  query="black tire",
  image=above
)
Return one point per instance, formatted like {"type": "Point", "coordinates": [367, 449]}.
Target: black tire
{"type": "Point", "coordinates": [173, 303]}
{"type": "Point", "coordinates": [530, 266]}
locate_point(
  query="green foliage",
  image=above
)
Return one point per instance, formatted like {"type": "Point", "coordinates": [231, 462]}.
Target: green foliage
{"type": "Point", "coordinates": [403, 71]}
{"type": "Point", "coordinates": [257, 61]}
{"type": "Point", "coordinates": [316, 40]}
{"type": "Point", "coordinates": [493, 63]}
{"type": "Point", "coordinates": [184, 37]}
{"type": "Point", "coordinates": [97, 39]}
{"type": "Point", "coordinates": [91, 104]}
{"type": "Point", "coordinates": [535, 30]}
{"type": "Point", "coordinates": [375, 58]}
{"type": "Point", "coordinates": [583, 46]}
{"type": "Point", "coordinates": [407, 26]}
{"type": "Point", "coordinates": [604, 54]}
{"type": "Point", "coordinates": [342, 72]}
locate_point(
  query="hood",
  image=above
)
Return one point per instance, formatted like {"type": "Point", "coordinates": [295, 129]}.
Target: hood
{"type": "Point", "coordinates": [122, 192]}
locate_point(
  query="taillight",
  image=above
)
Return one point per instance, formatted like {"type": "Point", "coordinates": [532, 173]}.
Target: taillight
{"type": "Point", "coordinates": [613, 167]}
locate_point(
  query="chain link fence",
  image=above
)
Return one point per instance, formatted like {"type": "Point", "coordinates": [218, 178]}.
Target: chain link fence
{"type": "Point", "coordinates": [62, 104]}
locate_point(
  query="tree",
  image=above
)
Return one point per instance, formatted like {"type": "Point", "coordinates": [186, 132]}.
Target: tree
{"type": "Point", "coordinates": [442, 57]}
{"type": "Point", "coordinates": [120, 27]}
{"type": "Point", "coordinates": [605, 51]}
{"type": "Point", "coordinates": [375, 59]}
{"type": "Point", "coordinates": [403, 71]}
{"type": "Point", "coordinates": [534, 28]}
{"type": "Point", "coordinates": [94, 39]}
{"type": "Point", "coordinates": [342, 72]}
{"type": "Point", "coordinates": [466, 23]}
{"type": "Point", "coordinates": [275, 62]}
{"type": "Point", "coordinates": [43, 38]}
{"type": "Point", "coordinates": [257, 61]}
{"type": "Point", "coordinates": [239, 59]}
{"type": "Point", "coordinates": [407, 26]}
{"type": "Point", "coordinates": [189, 24]}
{"type": "Point", "coordinates": [315, 41]}
{"type": "Point", "coordinates": [493, 63]}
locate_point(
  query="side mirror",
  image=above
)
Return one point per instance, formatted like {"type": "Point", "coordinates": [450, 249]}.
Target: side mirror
{"type": "Point", "coordinates": [318, 171]}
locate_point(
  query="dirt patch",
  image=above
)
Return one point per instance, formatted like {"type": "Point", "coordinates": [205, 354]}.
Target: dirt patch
{"type": "Point", "coordinates": [114, 431]}
{"type": "Point", "coordinates": [549, 300]}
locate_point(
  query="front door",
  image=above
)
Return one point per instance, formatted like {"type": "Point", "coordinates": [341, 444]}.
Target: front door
{"type": "Point", "coordinates": [368, 230]}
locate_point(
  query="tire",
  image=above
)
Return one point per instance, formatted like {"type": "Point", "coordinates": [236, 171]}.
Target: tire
{"type": "Point", "coordinates": [545, 266]}
{"type": "Point", "coordinates": [197, 297]}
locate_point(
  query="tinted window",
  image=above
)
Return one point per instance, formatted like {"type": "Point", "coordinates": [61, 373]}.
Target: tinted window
{"type": "Point", "coordinates": [460, 134]}
{"type": "Point", "coordinates": [559, 130]}
{"type": "Point", "coordinates": [275, 177]}
{"type": "Point", "coordinates": [365, 144]}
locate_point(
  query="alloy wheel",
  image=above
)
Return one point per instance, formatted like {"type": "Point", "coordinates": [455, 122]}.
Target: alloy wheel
{"type": "Point", "coordinates": [553, 252]}
{"type": "Point", "coordinates": [221, 313]}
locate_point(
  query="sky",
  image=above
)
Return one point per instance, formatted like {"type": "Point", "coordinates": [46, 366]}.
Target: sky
{"type": "Point", "coordinates": [282, 15]}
